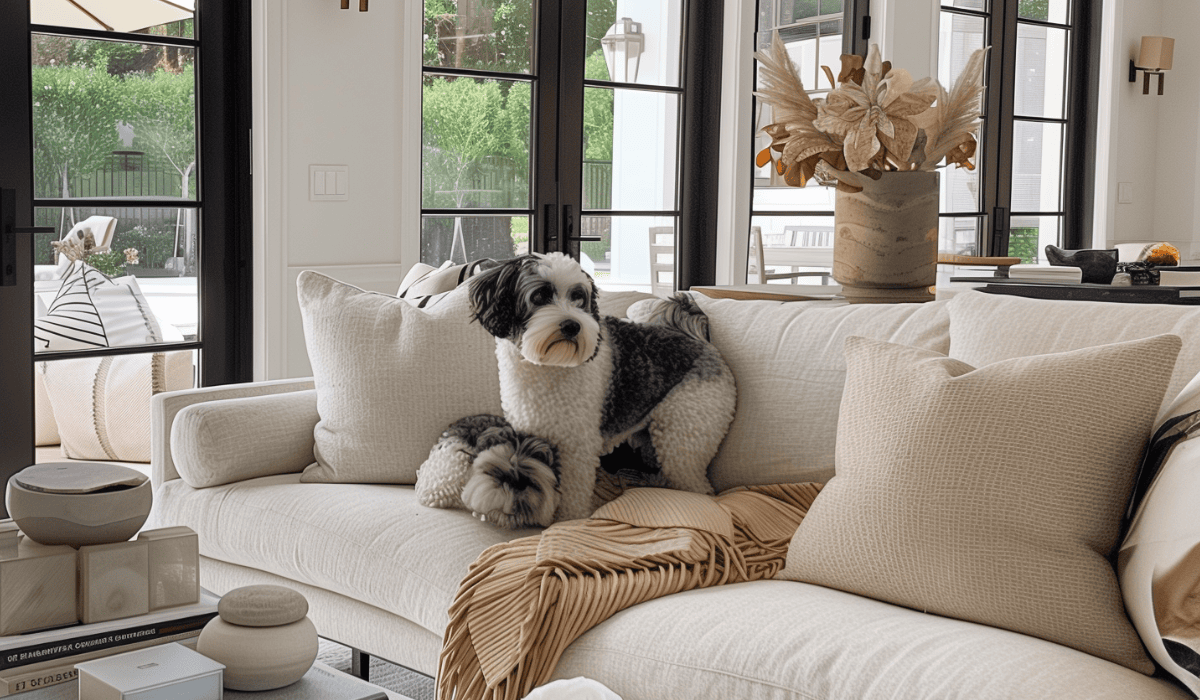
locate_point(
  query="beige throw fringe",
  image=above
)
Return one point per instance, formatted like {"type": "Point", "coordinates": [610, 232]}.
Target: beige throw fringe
{"type": "Point", "coordinates": [523, 602]}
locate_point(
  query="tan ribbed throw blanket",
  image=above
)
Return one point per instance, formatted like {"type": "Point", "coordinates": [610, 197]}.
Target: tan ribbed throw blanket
{"type": "Point", "coordinates": [523, 602]}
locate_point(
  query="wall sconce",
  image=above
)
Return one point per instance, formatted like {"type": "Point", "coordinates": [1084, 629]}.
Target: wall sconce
{"type": "Point", "coordinates": [1155, 57]}
{"type": "Point", "coordinates": [362, 5]}
{"type": "Point", "coordinates": [623, 44]}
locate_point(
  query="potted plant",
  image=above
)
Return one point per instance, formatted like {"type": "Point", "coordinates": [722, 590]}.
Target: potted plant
{"type": "Point", "coordinates": [879, 136]}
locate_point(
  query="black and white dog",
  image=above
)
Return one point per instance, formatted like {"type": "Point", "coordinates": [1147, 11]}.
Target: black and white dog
{"type": "Point", "coordinates": [588, 384]}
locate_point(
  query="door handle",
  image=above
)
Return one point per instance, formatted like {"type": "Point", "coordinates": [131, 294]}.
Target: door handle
{"type": "Point", "coordinates": [8, 236]}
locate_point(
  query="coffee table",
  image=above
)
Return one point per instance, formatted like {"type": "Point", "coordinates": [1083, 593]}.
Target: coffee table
{"type": "Point", "coordinates": [70, 691]}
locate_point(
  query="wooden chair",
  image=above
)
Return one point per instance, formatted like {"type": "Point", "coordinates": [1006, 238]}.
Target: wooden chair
{"type": "Point", "coordinates": [757, 271]}
{"type": "Point", "coordinates": [662, 261]}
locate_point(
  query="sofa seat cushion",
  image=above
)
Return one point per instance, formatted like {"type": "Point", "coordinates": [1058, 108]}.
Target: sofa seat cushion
{"type": "Point", "coordinates": [772, 640]}
{"type": "Point", "coordinates": [373, 543]}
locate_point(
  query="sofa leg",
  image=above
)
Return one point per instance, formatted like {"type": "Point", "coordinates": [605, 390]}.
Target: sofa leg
{"type": "Point", "coordinates": [360, 664]}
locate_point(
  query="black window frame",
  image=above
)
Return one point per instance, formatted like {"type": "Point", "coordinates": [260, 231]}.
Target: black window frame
{"type": "Point", "coordinates": [996, 140]}
{"type": "Point", "coordinates": [556, 179]}
{"type": "Point", "coordinates": [856, 35]}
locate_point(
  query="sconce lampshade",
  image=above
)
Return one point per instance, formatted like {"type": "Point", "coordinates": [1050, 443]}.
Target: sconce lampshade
{"type": "Point", "coordinates": [1156, 53]}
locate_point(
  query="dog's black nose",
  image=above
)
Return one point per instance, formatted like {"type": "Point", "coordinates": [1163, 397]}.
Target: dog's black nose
{"type": "Point", "coordinates": [569, 328]}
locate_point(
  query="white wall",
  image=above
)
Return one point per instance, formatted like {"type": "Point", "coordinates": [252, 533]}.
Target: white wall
{"type": "Point", "coordinates": [1150, 141]}
{"type": "Point", "coordinates": [331, 87]}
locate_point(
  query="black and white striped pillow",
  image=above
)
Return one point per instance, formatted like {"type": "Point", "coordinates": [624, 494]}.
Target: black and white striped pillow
{"type": "Point", "coordinates": [92, 310]}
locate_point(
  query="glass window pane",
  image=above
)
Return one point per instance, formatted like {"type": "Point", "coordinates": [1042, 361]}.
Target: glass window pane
{"type": "Point", "coordinates": [1028, 236]}
{"type": "Point", "coordinates": [621, 260]}
{"type": "Point", "coordinates": [959, 36]}
{"type": "Point", "coordinates": [475, 143]}
{"type": "Point", "coordinates": [461, 239]}
{"type": "Point", "coordinates": [796, 10]}
{"type": "Point", "coordinates": [960, 187]}
{"type": "Point", "coordinates": [979, 5]}
{"type": "Point", "coordinates": [960, 234]}
{"type": "Point", "coordinates": [485, 36]}
{"type": "Point", "coordinates": [1041, 71]}
{"type": "Point", "coordinates": [1037, 167]}
{"type": "Point", "coordinates": [791, 244]}
{"type": "Point", "coordinates": [113, 119]}
{"type": "Point", "coordinates": [829, 7]}
{"type": "Point", "coordinates": [175, 18]}
{"type": "Point", "coordinates": [637, 133]}
{"type": "Point", "coordinates": [641, 45]}
{"type": "Point", "coordinates": [1045, 10]}
{"type": "Point", "coordinates": [150, 255]}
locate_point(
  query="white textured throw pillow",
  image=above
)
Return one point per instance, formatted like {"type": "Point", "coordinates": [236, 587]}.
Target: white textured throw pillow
{"type": "Point", "coordinates": [92, 310]}
{"type": "Point", "coordinates": [789, 367]}
{"type": "Point", "coordinates": [1159, 561]}
{"type": "Point", "coordinates": [390, 377]}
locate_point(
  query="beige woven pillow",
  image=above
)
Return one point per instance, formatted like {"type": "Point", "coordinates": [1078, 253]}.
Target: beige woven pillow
{"type": "Point", "coordinates": [390, 377]}
{"type": "Point", "coordinates": [993, 494]}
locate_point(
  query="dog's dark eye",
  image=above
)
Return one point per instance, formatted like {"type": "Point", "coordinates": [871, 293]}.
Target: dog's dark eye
{"type": "Point", "coordinates": [540, 297]}
{"type": "Point", "coordinates": [578, 296]}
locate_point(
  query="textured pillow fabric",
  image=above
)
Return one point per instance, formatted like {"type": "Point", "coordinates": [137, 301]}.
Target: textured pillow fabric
{"type": "Point", "coordinates": [92, 310]}
{"type": "Point", "coordinates": [991, 495]}
{"type": "Point", "coordinates": [220, 442]}
{"type": "Point", "coordinates": [987, 328]}
{"type": "Point", "coordinates": [390, 377]}
{"type": "Point", "coordinates": [787, 361]}
{"type": "Point", "coordinates": [101, 405]}
{"type": "Point", "coordinates": [1159, 562]}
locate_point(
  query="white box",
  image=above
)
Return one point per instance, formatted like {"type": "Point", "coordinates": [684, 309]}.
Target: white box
{"type": "Point", "coordinates": [165, 672]}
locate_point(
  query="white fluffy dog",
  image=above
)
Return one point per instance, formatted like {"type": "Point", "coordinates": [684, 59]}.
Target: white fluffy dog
{"type": "Point", "coordinates": [589, 384]}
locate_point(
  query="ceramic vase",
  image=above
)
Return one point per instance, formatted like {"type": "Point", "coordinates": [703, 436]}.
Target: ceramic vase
{"type": "Point", "coordinates": [886, 239]}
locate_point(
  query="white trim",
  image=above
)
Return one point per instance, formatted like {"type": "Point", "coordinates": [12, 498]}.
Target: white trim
{"type": "Point", "coordinates": [1108, 103]}
{"type": "Point", "coordinates": [269, 156]}
{"type": "Point", "coordinates": [410, 56]}
{"type": "Point", "coordinates": [733, 182]}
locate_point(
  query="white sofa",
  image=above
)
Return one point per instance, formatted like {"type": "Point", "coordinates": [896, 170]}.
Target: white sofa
{"type": "Point", "coordinates": [380, 570]}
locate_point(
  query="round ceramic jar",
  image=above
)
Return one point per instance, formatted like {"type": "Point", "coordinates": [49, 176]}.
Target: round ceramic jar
{"type": "Point", "coordinates": [79, 503]}
{"type": "Point", "coordinates": [262, 636]}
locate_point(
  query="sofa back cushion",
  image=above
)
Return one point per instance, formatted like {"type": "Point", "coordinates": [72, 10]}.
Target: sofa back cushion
{"type": "Point", "coordinates": [991, 495]}
{"type": "Point", "coordinates": [986, 328]}
{"type": "Point", "coordinates": [787, 361]}
{"type": "Point", "coordinates": [390, 377]}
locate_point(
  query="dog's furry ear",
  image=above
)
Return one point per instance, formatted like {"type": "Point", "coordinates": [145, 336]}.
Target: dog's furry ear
{"type": "Point", "coordinates": [594, 310]}
{"type": "Point", "coordinates": [494, 300]}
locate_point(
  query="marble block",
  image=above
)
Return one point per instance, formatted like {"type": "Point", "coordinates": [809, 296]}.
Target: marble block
{"type": "Point", "coordinates": [37, 588]}
{"type": "Point", "coordinates": [113, 581]}
{"type": "Point", "coordinates": [9, 534]}
{"type": "Point", "coordinates": [174, 566]}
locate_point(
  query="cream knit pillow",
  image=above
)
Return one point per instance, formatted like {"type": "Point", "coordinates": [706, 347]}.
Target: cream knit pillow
{"type": "Point", "coordinates": [390, 377]}
{"type": "Point", "coordinates": [991, 495]}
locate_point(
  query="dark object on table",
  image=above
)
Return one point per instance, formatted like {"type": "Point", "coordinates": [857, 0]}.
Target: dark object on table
{"type": "Point", "coordinates": [1098, 266]}
{"type": "Point", "coordinates": [1140, 273]}
{"type": "Point", "coordinates": [1145, 294]}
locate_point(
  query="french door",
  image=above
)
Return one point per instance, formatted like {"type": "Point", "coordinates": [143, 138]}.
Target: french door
{"type": "Point", "coordinates": [127, 126]}
{"type": "Point", "coordinates": [586, 128]}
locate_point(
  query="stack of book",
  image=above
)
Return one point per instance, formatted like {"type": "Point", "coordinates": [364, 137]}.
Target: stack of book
{"type": "Point", "coordinates": [40, 659]}
{"type": "Point", "coordinates": [1046, 273]}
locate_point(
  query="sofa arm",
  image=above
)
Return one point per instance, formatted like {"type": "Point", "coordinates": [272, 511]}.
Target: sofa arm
{"type": "Point", "coordinates": [165, 406]}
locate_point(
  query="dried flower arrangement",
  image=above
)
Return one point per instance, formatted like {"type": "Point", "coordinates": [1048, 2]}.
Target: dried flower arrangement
{"type": "Point", "coordinates": [876, 119]}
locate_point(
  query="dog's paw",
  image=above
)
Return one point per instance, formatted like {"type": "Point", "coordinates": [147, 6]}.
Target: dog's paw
{"type": "Point", "coordinates": [513, 483]}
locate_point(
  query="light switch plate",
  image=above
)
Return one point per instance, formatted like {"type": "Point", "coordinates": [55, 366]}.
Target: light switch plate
{"type": "Point", "coordinates": [328, 183]}
{"type": "Point", "coordinates": [1125, 193]}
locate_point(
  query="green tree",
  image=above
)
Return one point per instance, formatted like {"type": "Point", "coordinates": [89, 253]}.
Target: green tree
{"type": "Point", "coordinates": [461, 120]}
{"type": "Point", "coordinates": [597, 112]}
{"type": "Point", "coordinates": [162, 109]}
{"type": "Point", "coordinates": [75, 114]}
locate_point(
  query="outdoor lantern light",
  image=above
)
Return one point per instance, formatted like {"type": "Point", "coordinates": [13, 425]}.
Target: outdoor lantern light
{"type": "Point", "coordinates": [1155, 57]}
{"type": "Point", "coordinates": [623, 44]}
